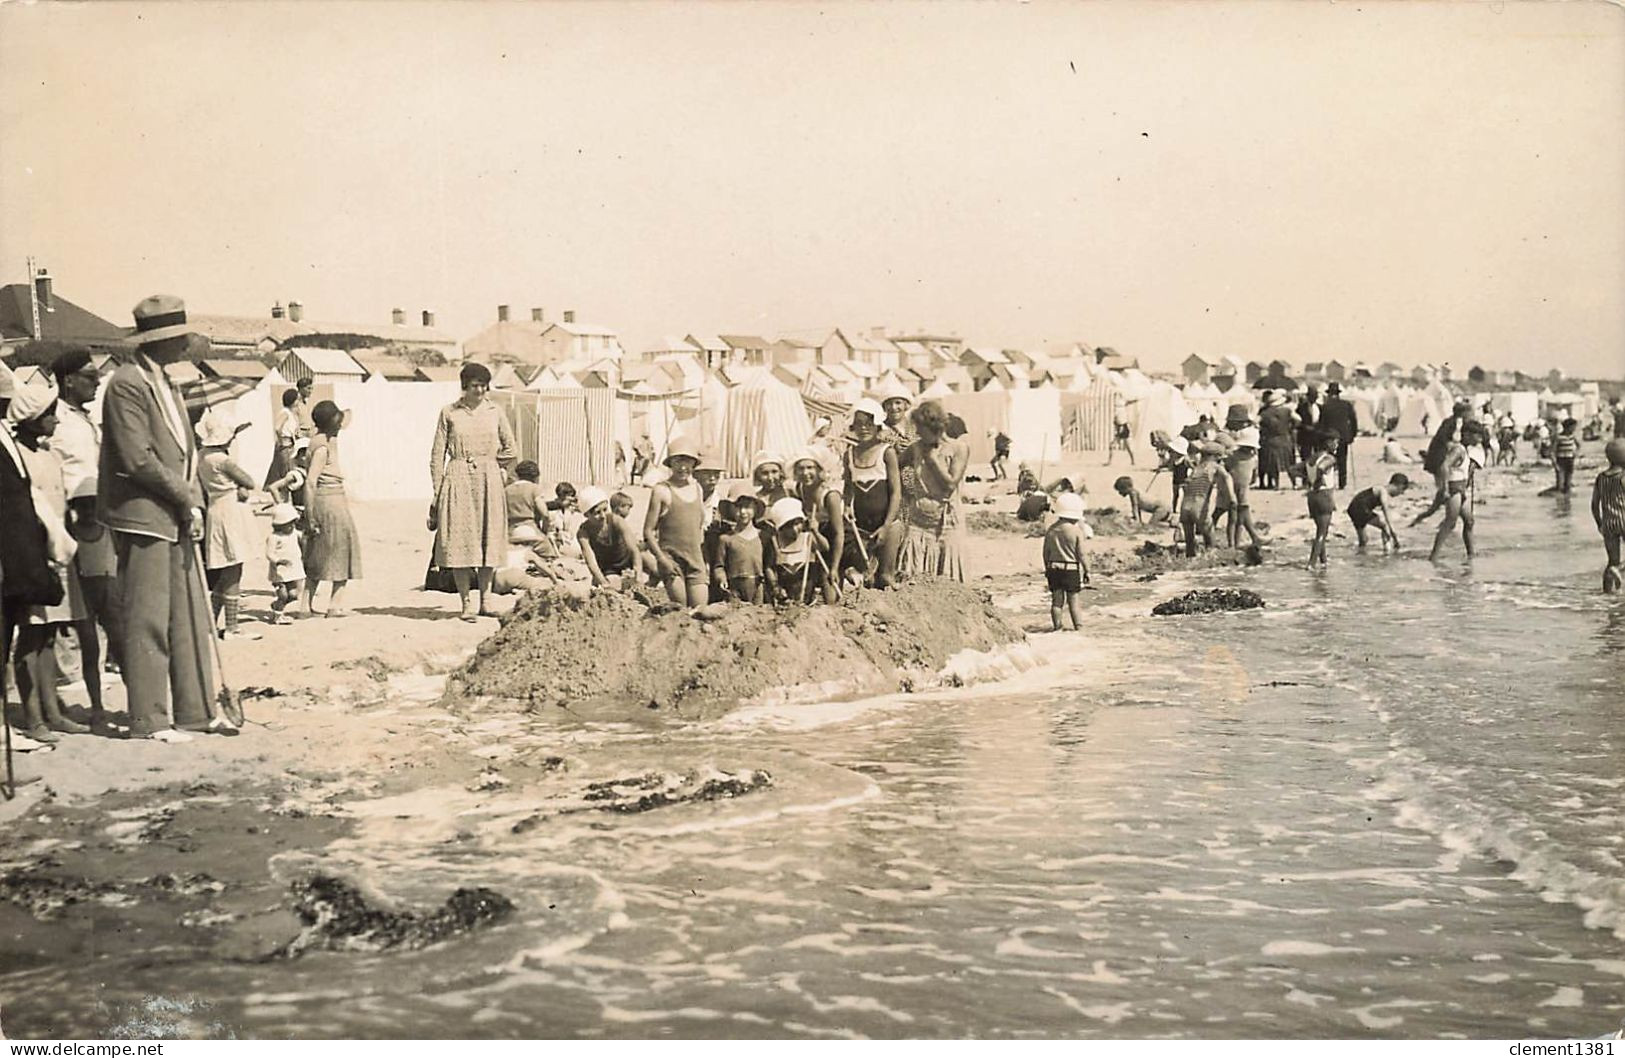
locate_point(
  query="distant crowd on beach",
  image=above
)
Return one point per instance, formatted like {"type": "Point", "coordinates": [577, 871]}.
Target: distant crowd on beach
{"type": "Point", "coordinates": [128, 523]}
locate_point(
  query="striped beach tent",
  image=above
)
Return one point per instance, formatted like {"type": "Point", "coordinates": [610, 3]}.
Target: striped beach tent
{"type": "Point", "coordinates": [763, 413]}
{"type": "Point", "coordinates": [1086, 416]}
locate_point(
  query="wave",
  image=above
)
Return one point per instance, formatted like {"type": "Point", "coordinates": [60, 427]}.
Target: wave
{"type": "Point", "coordinates": [1424, 798]}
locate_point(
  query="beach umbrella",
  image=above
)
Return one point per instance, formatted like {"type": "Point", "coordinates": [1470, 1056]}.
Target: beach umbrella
{"type": "Point", "coordinates": [205, 392]}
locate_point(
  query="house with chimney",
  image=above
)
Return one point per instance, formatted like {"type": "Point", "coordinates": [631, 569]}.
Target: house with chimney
{"type": "Point", "coordinates": [59, 320]}
{"type": "Point", "coordinates": [284, 328]}
{"type": "Point", "coordinates": [569, 340]}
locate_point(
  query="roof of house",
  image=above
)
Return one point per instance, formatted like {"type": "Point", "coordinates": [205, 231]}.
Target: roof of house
{"type": "Point", "coordinates": [251, 330]}
{"type": "Point", "coordinates": [986, 354]}
{"type": "Point", "coordinates": [509, 339]}
{"type": "Point", "coordinates": [327, 361]}
{"type": "Point", "coordinates": [708, 343]}
{"type": "Point", "coordinates": [744, 341]}
{"type": "Point", "coordinates": [581, 330]}
{"type": "Point", "coordinates": [218, 368]}
{"type": "Point", "coordinates": [62, 322]}
{"type": "Point", "coordinates": [442, 373]}
{"type": "Point", "coordinates": [378, 362]}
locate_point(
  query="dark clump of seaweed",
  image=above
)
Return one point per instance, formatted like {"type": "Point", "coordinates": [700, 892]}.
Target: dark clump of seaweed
{"type": "Point", "coordinates": [1209, 600]}
{"type": "Point", "coordinates": [716, 789]}
{"type": "Point", "coordinates": [337, 915]}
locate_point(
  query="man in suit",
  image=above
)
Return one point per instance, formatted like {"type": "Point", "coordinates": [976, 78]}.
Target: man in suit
{"type": "Point", "coordinates": [1337, 418]}
{"type": "Point", "coordinates": [149, 498]}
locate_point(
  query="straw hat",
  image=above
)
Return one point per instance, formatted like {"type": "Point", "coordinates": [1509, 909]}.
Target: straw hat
{"type": "Point", "coordinates": [590, 497]}
{"type": "Point", "coordinates": [870, 407]}
{"type": "Point", "coordinates": [763, 458]}
{"type": "Point", "coordinates": [710, 459]}
{"type": "Point", "coordinates": [159, 317]}
{"type": "Point", "coordinates": [681, 448]}
{"type": "Point", "coordinates": [284, 514]}
{"type": "Point", "coordinates": [785, 511]}
{"type": "Point", "coordinates": [743, 490]}
{"type": "Point", "coordinates": [1069, 505]}
{"type": "Point", "coordinates": [1179, 445]}
{"type": "Point", "coordinates": [218, 426]}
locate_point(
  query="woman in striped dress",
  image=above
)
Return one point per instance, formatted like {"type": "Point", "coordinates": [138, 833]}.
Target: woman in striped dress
{"type": "Point", "coordinates": [1608, 510]}
{"type": "Point", "coordinates": [473, 445]}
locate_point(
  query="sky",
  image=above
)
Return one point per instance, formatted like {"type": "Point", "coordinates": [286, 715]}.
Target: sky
{"type": "Point", "coordinates": [1440, 182]}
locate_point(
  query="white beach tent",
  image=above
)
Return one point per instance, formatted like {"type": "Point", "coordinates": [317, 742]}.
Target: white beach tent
{"type": "Point", "coordinates": [762, 413]}
{"type": "Point", "coordinates": [1365, 403]}
{"type": "Point", "coordinates": [1159, 406]}
{"type": "Point", "coordinates": [1034, 425]}
{"type": "Point", "coordinates": [388, 435]}
{"type": "Point", "coordinates": [1523, 405]}
{"type": "Point", "coordinates": [1419, 415]}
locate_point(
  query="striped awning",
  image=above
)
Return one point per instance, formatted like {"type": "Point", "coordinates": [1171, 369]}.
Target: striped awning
{"type": "Point", "coordinates": [203, 393]}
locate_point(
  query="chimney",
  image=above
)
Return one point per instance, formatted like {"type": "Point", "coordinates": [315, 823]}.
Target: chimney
{"type": "Point", "coordinates": [536, 316]}
{"type": "Point", "coordinates": [42, 290]}
{"type": "Point", "coordinates": [296, 311]}
{"type": "Point", "coordinates": [502, 314]}
{"type": "Point", "coordinates": [428, 317]}
{"type": "Point", "coordinates": [569, 315]}
{"type": "Point", "coordinates": [276, 311]}
{"type": "Point", "coordinates": [397, 316]}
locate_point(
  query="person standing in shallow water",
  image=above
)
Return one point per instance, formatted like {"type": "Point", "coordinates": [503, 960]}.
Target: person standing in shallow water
{"type": "Point", "coordinates": [472, 447]}
{"type": "Point", "coordinates": [1457, 468]}
{"type": "Point", "coordinates": [1608, 511]}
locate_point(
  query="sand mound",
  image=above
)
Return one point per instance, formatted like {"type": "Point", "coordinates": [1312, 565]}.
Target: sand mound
{"type": "Point", "coordinates": [611, 658]}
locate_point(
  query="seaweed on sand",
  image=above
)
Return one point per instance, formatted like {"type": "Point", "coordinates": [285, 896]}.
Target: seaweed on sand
{"type": "Point", "coordinates": [1209, 600]}
{"type": "Point", "coordinates": [337, 915]}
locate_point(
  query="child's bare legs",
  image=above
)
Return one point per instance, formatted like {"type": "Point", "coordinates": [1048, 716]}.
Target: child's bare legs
{"type": "Point", "coordinates": [90, 654]}
{"type": "Point", "coordinates": [1317, 547]}
{"type": "Point", "coordinates": [1207, 534]}
{"type": "Point", "coordinates": [1072, 611]}
{"type": "Point", "coordinates": [36, 681]}
{"type": "Point", "coordinates": [1056, 599]}
{"type": "Point", "coordinates": [1612, 575]}
{"type": "Point", "coordinates": [1452, 511]}
{"type": "Point", "coordinates": [1359, 538]}
{"type": "Point", "coordinates": [1187, 524]}
{"type": "Point", "coordinates": [1467, 527]}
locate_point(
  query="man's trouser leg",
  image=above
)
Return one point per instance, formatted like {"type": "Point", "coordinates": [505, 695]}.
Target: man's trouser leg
{"type": "Point", "coordinates": [156, 586]}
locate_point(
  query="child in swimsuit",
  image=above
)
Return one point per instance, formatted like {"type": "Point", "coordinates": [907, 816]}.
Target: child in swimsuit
{"type": "Point", "coordinates": [1194, 513]}
{"type": "Point", "coordinates": [1608, 510]}
{"type": "Point", "coordinates": [1321, 468]}
{"type": "Point", "coordinates": [1065, 571]}
{"type": "Point", "coordinates": [873, 495]}
{"type": "Point", "coordinates": [1140, 507]}
{"type": "Point", "coordinates": [792, 564]}
{"type": "Point", "coordinates": [1369, 508]}
{"type": "Point", "coordinates": [739, 550]}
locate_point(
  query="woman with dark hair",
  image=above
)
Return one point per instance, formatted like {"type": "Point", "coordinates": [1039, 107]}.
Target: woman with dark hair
{"type": "Point", "coordinates": [332, 546]}
{"type": "Point", "coordinates": [284, 434]}
{"type": "Point", "coordinates": [473, 445]}
{"type": "Point", "coordinates": [931, 472]}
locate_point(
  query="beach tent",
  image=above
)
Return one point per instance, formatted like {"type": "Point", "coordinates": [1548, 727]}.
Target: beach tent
{"type": "Point", "coordinates": [762, 413]}
{"type": "Point", "coordinates": [1419, 415]}
{"type": "Point", "coordinates": [1159, 406]}
{"type": "Point", "coordinates": [1522, 405]}
{"type": "Point", "coordinates": [1033, 417]}
{"type": "Point", "coordinates": [1086, 416]}
{"type": "Point", "coordinates": [1365, 402]}
{"type": "Point", "coordinates": [567, 431]}
{"type": "Point", "coordinates": [1441, 394]}
{"type": "Point", "coordinates": [388, 435]}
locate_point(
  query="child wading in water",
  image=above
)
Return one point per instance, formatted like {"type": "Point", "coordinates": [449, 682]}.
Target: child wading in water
{"type": "Point", "coordinates": [1195, 515]}
{"type": "Point", "coordinates": [1608, 510]}
{"type": "Point", "coordinates": [1369, 508]}
{"type": "Point", "coordinates": [1064, 568]}
{"type": "Point", "coordinates": [1141, 507]}
{"type": "Point", "coordinates": [1457, 468]}
{"type": "Point", "coordinates": [1321, 471]}
{"type": "Point", "coordinates": [286, 561]}
{"type": "Point", "coordinates": [740, 549]}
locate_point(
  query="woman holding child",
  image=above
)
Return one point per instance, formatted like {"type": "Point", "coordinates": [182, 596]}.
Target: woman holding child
{"type": "Point", "coordinates": [472, 447]}
{"type": "Point", "coordinates": [931, 472]}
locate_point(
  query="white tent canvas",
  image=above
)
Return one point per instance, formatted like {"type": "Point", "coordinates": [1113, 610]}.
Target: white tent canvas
{"type": "Point", "coordinates": [1419, 414]}
{"type": "Point", "coordinates": [763, 413]}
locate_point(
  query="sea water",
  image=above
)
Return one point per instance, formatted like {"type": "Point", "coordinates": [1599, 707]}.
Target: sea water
{"type": "Point", "coordinates": [1388, 804]}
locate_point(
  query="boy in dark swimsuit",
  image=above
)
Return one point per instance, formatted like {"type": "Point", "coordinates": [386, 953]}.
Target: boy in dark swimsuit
{"type": "Point", "coordinates": [1368, 508]}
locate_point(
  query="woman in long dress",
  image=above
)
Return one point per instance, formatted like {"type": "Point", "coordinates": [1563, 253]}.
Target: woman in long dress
{"type": "Point", "coordinates": [473, 445]}
{"type": "Point", "coordinates": [931, 472]}
{"type": "Point", "coordinates": [332, 545]}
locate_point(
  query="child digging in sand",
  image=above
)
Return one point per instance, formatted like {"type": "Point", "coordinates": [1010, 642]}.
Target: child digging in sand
{"type": "Point", "coordinates": [1369, 508]}
{"type": "Point", "coordinates": [1064, 568]}
{"type": "Point", "coordinates": [1608, 510]}
{"type": "Point", "coordinates": [1141, 507]}
{"type": "Point", "coordinates": [793, 566]}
